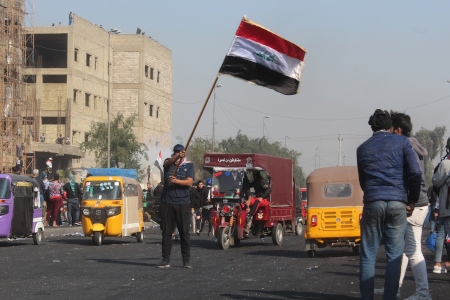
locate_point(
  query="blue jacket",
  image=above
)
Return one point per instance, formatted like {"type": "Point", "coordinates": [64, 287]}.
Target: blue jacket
{"type": "Point", "coordinates": [388, 169]}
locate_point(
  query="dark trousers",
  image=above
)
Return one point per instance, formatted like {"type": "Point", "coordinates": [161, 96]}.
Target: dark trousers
{"type": "Point", "coordinates": [178, 215]}
{"type": "Point", "coordinates": [73, 205]}
{"type": "Point", "coordinates": [206, 216]}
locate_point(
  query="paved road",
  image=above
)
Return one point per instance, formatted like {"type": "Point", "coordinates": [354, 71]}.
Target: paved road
{"type": "Point", "coordinates": [70, 267]}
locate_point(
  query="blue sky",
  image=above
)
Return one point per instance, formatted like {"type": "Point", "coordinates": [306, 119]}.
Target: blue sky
{"type": "Point", "coordinates": [362, 55]}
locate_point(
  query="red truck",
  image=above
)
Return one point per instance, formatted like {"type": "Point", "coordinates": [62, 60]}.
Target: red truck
{"type": "Point", "coordinates": [229, 213]}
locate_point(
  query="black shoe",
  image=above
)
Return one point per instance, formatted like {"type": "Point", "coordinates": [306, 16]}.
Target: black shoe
{"type": "Point", "coordinates": [187, 265]}
{"type": "Point", "coordinates": [163, 265]}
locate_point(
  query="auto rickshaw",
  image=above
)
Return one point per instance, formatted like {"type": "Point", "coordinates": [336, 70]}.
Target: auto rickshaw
{"type": "Point", "coordinates": [335, 204]}
{"type": "Point", "coordinates": [112, 207]}
{"type": "Point", "coordinates": [20, 208]}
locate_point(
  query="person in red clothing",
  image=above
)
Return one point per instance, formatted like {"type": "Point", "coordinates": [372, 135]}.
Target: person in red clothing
{"type": "Point", "coordinates": [56, 197]}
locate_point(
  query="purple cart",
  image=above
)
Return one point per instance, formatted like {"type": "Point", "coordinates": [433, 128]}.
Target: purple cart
{"type": "Point", "coordinates": [20, 208]}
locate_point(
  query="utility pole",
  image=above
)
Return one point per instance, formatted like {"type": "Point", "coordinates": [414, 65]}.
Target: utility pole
{"type": "Point", "coordinates": [317, 151]}
{"type": "Point", "coordinates": [339, 150]}
{"type": "Point", "coordinates": [214, 116]}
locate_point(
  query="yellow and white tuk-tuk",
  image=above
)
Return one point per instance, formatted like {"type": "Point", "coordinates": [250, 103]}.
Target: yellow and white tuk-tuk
{"type": "Point", "coordinates": [335, 204]}
{"type": "Point", "coordinates": [112, 207]}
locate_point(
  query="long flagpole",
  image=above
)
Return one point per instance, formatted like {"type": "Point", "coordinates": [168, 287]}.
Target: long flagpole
{"type": "Point", "coordinates": [198, 120]}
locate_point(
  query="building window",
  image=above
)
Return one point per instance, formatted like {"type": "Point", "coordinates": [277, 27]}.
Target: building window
{"type": "Point", "coordinates": [95, 62]}
{"type": "Point", "coordinates": [146, 71]}
{"type": "Point", "coordinates": [75, 96]}
{"type": "Point", "coordinates": [86, 99]}
{"type": "Point", "coordinates": [157, 112]}
{"type": "Point", "coordinates": [75, 54]}
{"type": "Point", "coordinates": [157, 77]}
{"type": "Point", "coordinates": [150, 113]}
{"type": "Point", "coordinates": [88, 59]}
{"type": "Point", "coordinates": [151, 73]}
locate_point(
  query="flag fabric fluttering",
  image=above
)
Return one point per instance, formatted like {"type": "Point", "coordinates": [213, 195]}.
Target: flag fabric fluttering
{"type": "Point", "coordinates": [158, 163]}
{"type": "Point", "coordinates": [262, 57]}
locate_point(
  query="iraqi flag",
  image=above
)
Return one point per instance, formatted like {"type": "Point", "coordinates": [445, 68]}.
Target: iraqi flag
{"type": "Point", "coordinates": [264, 58]}
{"type": "Point", "coordinates": [158, 163]}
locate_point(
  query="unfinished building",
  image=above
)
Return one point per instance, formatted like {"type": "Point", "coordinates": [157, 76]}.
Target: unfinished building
{"type": "Point", "coordinates": [57, 80]}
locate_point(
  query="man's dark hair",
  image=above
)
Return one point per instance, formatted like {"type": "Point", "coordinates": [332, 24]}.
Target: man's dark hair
{"type": "Point", "coordinates": [380, 120]}
{"type": "Point", "coordinates": [56, 176]}
{"type": "Point", "coordinates": [200, 181]}
{"type": "Point", "coordinates": [403, 121]}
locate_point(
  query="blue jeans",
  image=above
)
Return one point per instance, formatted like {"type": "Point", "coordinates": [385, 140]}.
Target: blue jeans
{"type": "Point", "coordinates": [431, 219]}
{"type": "Point", "coordinates": [382, 219]}
{"type": "Point", "coordinates": [439, 241]}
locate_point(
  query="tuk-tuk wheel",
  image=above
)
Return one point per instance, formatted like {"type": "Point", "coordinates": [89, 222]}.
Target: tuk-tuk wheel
{"type": "Point", "coordinates": [38, 237]}
{"type": "Point", "coordinates": [224, 237]}
{"type": "Point", "coordinates": [299, 228]}
{"type": "Point", "coordinates": [98, 238]}
{"type": "Point", "coordinates": [311, 253]}
{"type": "Point", "coordinates": [140, 236]}
{"type": "Point", "coordinates": [277, 234]}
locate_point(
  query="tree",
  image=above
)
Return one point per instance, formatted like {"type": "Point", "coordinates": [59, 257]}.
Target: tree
{"type": "Point", "coordinates": [242, 144]}
{"type": "Point", "coordinates": [125, 149]}
{"type": "Point", "coordinates": [432, 140]}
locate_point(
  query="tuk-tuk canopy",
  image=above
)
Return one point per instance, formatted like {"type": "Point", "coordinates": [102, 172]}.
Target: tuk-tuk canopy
{"type": "Point", "coordinates": [334, 186]}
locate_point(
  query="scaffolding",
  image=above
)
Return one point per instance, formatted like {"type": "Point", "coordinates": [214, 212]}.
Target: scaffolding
{"type": "Point", "coordinates": [18, 126]}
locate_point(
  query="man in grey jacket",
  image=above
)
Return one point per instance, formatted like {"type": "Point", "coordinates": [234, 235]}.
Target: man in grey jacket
{"type": "Point", "coordinates": [390, 176]}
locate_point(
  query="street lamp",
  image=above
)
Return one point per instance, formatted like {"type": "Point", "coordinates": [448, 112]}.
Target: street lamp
{"type": "Point", "coordinates": [285, 141]}
{"type": "Point", "coordinates": [112, 31]}
{"type": "Point", "coordinates": [265, 117]}
{"type": "Point", "coordinates": [214, 116]}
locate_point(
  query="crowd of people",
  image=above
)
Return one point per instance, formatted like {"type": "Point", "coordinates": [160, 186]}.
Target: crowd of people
{"type": "Point", "coordinates": [61, 200]}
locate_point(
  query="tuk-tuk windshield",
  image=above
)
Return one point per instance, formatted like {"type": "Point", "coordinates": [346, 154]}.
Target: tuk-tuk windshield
{"type": "Point", "coordinates": [227, 182]}
{"type": "Point", "coordinates": [5, 191]}
{"type": "Point", "coordinates": [102, 190]}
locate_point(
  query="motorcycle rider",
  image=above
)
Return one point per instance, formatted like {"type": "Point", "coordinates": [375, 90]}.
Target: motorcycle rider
{"type": "Point", "coordinates": [260, 198]}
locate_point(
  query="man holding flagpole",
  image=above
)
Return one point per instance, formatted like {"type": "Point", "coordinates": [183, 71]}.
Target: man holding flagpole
{"type": "Point", "coordinates": [175, 206]}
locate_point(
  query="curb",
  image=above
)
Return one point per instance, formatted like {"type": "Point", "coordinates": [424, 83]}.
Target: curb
{"type": "Point", "coordinates": [65, 229]}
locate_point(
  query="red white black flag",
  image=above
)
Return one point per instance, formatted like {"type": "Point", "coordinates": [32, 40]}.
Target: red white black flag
{"type": "Point", "coordinates": [158, 163]}
{"type": "Point", "coordinates": [260, 56]}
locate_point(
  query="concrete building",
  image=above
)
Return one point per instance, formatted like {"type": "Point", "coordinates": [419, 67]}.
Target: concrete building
{"type": "Point", "coordinates": [72, 86]}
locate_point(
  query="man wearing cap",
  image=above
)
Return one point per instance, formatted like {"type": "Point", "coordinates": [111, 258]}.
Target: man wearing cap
{"type": "Point", "coordinates": [390, 177]}
{"type": "Point", "coordinates": [175, 206]}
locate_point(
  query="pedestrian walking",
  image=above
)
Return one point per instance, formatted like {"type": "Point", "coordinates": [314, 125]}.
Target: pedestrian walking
{"type": "Point", "coordinates": [73, 190]}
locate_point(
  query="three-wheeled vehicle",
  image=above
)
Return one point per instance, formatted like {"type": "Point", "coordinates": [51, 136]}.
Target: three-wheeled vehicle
{"type": "Point", "coordinates": [112, 207]}
{"type": "Point", "coordinates": [20, 208]}
{"type": "Point", "coordinates": [229, 214]}
{"type": "Point", "coordinates": [335, 203]}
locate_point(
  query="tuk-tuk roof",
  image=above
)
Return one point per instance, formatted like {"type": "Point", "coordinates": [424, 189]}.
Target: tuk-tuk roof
{"type": "Point", "coordinates": [319, 178]}
{"type": "Point", "coordinates": [280, 170]}
{"type": "Point", "coordinates": [20, 178]}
